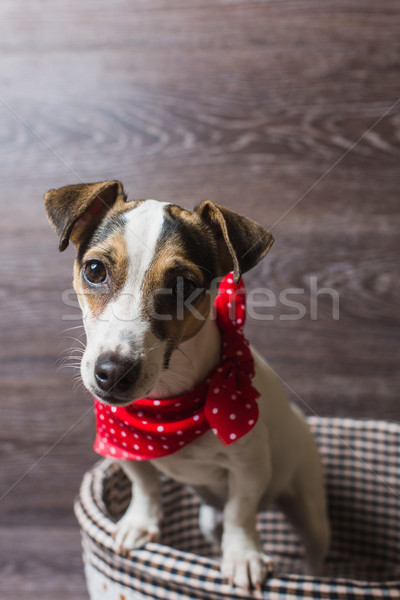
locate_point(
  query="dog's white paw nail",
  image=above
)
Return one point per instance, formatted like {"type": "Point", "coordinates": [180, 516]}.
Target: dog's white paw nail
{"type": "Point", "coordinates": [247, 569]}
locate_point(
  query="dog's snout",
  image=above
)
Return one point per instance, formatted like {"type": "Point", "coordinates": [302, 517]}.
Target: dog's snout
{"type": "Point", "coordinates": [115, 374]}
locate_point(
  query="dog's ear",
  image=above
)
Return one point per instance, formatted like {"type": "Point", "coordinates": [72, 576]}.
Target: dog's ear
{"type": "Point", "coordinates": [242, 243]}
{"type": "Point", "coordinates": [74, 211]}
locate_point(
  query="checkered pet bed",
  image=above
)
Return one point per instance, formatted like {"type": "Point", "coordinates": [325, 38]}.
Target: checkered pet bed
{"type": "Point", "coordinates": [362, 469]}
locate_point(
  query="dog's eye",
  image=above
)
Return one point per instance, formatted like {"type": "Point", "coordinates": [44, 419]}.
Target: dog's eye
{"type": "Point", "coordinates": [95, 271]}
{"type": "Point", "coordinates": [183, 287]}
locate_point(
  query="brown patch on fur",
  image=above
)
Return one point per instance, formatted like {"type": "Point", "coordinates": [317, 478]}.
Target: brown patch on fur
{"type": "Point", "coordinates": [202, 245]}
{"type": "Point", "coordinates": [113, 253]}
{"type": "Point", "coordinates": [184, 250]}
{"type": "Point", "coordinates": [192, 323]}
{"type": "Point", "coordinates": [242, 243]}
{"type": "Point", "coordinates": [76, 210]}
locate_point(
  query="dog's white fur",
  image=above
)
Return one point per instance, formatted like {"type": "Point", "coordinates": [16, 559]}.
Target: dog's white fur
{"type": "Point", "coordinates": [276, 461]}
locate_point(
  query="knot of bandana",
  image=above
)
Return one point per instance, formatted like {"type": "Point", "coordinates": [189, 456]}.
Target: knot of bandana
{"type": "Point", "coordinates": [224, 402]}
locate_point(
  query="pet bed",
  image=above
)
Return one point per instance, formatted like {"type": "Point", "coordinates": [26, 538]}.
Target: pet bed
{"type": "Point", "coordinates": [362, 470]}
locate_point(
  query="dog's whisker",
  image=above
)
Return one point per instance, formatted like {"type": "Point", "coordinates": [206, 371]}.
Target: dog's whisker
{"type": "Point", "coordinates": [155, 347]}
{"type": "Point", "coordinates": [75, 349]}
{"type": "Point", "coordinates": [186, 356]}
{"type": "Point", "coordinates": [77, 384]}
{"type": "Point", "coordinates": [68, 337]}
{"type": "Point", "coordinates": [205, 269]}
{"type": "Point", "coordinates": [71, 357]}
{"type": "Point", "coordinates": [76, 366]}
{"type": "Point", "coordinates": [67, 360]}
{"type": "Point", "coordinates": [70, 329]}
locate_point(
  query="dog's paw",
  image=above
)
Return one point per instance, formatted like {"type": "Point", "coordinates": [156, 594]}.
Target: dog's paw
{"type": "Point", "coordinates": [246, 569]}
{"type": "Point", "coordinates": [131, 533]}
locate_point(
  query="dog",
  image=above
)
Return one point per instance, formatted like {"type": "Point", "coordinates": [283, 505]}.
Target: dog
{"type": "Point", "coordinates": [135, 260]}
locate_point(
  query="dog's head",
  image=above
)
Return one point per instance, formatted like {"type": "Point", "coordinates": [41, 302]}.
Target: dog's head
{"type": "Point", "coordinates": [145, 275]}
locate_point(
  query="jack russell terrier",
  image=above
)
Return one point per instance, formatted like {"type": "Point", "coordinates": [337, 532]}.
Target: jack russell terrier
{"type": "Point", "coordinates": [177, 388]}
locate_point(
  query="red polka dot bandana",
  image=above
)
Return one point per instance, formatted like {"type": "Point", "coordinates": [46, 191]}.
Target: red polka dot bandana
{"type": "Point", "coordinates": [224, 402]}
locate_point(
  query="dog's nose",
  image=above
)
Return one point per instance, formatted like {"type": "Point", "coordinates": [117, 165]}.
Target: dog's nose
{"type": "Point", "coordinates": [115, 374]}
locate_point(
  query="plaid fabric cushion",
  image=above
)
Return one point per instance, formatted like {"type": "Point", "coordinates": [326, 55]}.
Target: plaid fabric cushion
{"type": "Point", "coordinates": [362, 470]}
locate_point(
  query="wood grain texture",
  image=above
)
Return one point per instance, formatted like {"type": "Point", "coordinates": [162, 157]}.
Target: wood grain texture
{"type": "Point", "coordinates": [258, 105]}
{"type": "Point", "coordinates": [41, 563]}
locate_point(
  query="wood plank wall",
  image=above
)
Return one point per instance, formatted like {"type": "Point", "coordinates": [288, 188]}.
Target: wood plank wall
{"type": "Point", "coordinates": [286, 111]}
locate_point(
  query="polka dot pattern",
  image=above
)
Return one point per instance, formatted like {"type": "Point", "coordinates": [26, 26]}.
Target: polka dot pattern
{"type": "Point", "coordinates": [225, 402]}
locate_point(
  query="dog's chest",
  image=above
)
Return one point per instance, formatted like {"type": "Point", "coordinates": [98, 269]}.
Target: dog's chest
{"type": "Point", "coordinates": [199, 463]}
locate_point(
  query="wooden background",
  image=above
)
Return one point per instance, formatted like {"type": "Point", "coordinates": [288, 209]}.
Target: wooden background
{"type": "Point", "coordinates": [253, 104]}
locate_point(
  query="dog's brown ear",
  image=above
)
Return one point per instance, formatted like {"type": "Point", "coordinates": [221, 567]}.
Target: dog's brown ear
{"type": "Point", "coordinates": [75, 210]}
{"type": "Point", "coordinates": [242, 243]}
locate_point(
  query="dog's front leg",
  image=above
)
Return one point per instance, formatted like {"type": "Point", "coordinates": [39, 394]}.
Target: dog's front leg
{"type": "Point", "coordinates": [141, 522]}
{"type": "Point", "coordinates": [243, 562]}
